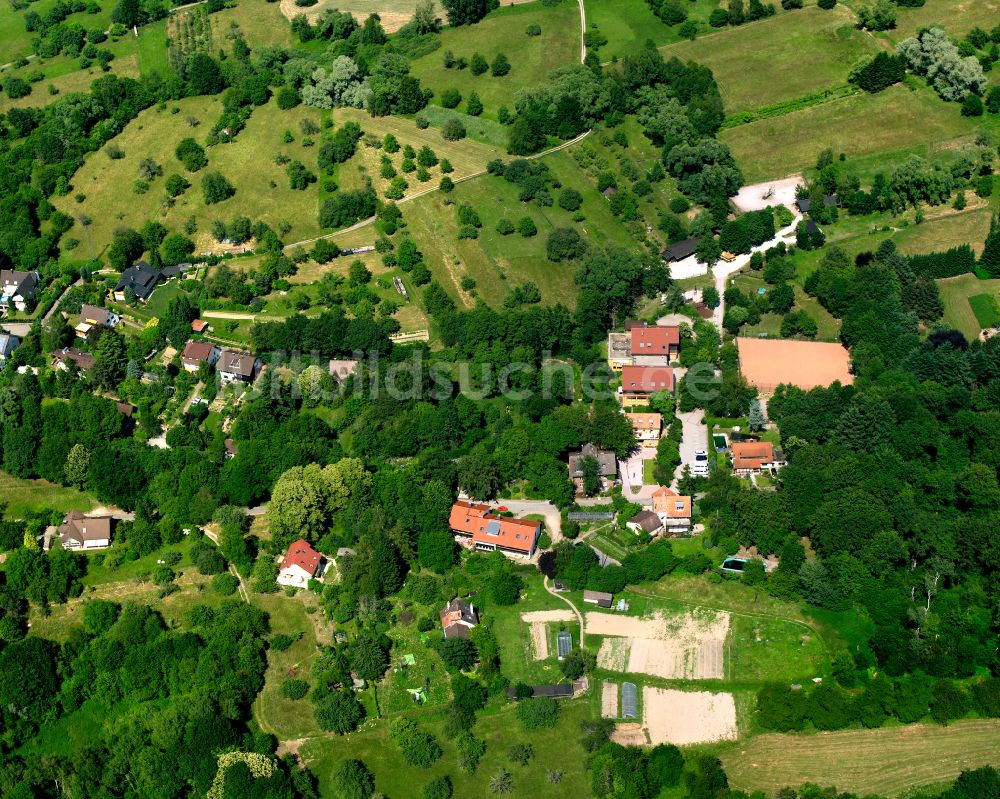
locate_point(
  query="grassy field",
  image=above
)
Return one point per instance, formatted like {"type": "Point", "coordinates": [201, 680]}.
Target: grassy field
{"type": "Point", "coordinates": [247, 162]}
{"type": "Point", "coordinates": [958, 17]}
{"type": "Point", "coordinates": [886, 761]}
{"type": "Point", "coordinates": [984, 306]}
{"type": "Point", "coordinates": [15, 41]}
{"type": "Point", "coordinates": [24, 496]}
{"type": "Point", "coordinates": [503, 31]}
{"type": "Point", "coordinates": [949, 230]}
{"type": "Point", "coordinates": [761, 63]}
{"type": "Point", "coordinates": [555, 748]}
{"type": "Point", "coordinates": [900, 118]}
{"type": "Point", "coordinates": [629, 24]}
{"type": "Point", "coordinates": [957, 294]}
{"type": "Point", "coordinates": [760, 648]}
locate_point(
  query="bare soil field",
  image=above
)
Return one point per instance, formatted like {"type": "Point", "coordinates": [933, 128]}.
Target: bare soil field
{"type": "Point", "coordinates": [686, 647]}
{"type": "Point", "coordinates": [688, 717]}
{"type": "Point", "coordinates": [630, 735]}
{"type": "Point", "coordinates": [394, 15]}
{"type": "Point", "coordinates": [540, 640]}
{"type": "Point", "coordinates": [609, 700]}
{"type": "Point", "coordinates": [548, 615]}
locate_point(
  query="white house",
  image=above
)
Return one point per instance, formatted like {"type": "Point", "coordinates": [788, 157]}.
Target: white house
{"type": "Point", "coordinates": [301, 564]}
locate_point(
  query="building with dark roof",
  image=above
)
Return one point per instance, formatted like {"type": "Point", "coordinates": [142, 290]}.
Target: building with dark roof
{"type": "Point", "coordinates": [17, 289]}
{"type": "Point", "coordinates": [141, 278]}
{"type": "Point", "coordinates": [457, 618]}
{"type": "Point", "coordinates": [680, 250]}
{"type": "Point", "coordinates": [558, 691]}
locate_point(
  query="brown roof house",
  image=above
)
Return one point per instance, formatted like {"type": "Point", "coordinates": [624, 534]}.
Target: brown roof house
{"type": "Point", "coordinates": [198, 352]}
{"type": "Point", "coordinates": [84, 532]}
{"type": "Point", "coordinates": [61, 359]}
{"type": "Point", "coordinates": [673, 509]}
{"type": "Point", "coordinates": [600, 598]}
{"type": "Point", "coordinates": [237, 367]}
{"type": "Point", "coordinates": [750, 457]}
{"type": "Point", "coordinates": [342, 369]}
{"type": "Point", "coordinates": [638, 382]}
{"type": "Point", "coordinates": [607, 464]}
{"type": "Point", "coordinates": [457, 618]}
{"type": "Point", "coordinates": [91, 316]}
{"type": "Point", "coordinates": [645, 521]}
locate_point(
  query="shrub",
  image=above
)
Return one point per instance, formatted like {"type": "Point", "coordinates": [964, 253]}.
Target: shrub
{"type": "Point", "coordinates": [504, 226]}
{"type": "Point", "coordinates": [570, 199]}
{"type": "Point", "coordinates": [539, 713]}
{"type": "Point", "coordinates": [287, 97]}
{"type": "Point", "coordinates": [972, 106]}
{"type": "Point", "coordinates": [826, 4]}
{"type": "Point", "coordinates": [339, 712]}
{"type": "Point", "coordinates": [421, 122]}
{"type": "Point", "coordinates": [478, 64]}
{"type": "Point", "coordinates": [440, 788]}
{"type": "Point", "coordinates": [294, 689]}
{"type": "Point", "coordinates": [216, 188]}
{"type": "Point", "coordinates": [417, 747]}
{"type": "Point", "coordinates": [474, 106]}
{"type": "Point", "coordinates": [450, 98]}
{"type": "Point", "coordinates": [225, 584]}
{"type": "Point", "coordinates": [526, 227]}
{"type": "Point", "coordinates": [453, 130]}
{"type": "Point", "coordinates": [533, 29]}
{"type": "Point", "coordinates": [500, 66]}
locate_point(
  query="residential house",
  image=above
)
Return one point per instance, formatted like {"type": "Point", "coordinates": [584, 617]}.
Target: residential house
{"type": "Point", "coordinates": [85, 532]}
{"type": "Point", "coordinates": [198, 352]}
{"type": "Point", "coordinates": [479, 526]}
{"type": "Point", "coordinates": [619, 350]}
{"type": "Point", "coordinates": [17, 289]}
{"type": "Point", "coordinates": [8, 343]}
{"type": "Point", "coordinates": [751, 457]}
{"type": "Point", "coordinates": [237, 367]}
{"type": "Point", "coordinates": [61, 359]}
{"type": "Point", "coordinates": [91, 316]}
{"type": "Point", "coordinates": [457, 618]}
{"type": "Point", "coordinates": [600, 598]}
{"type": "Point", "coordinates": [607, 465]}
{"type": "Point", "coordinates": [341, 370]}
{"type": "Point", "coordinates": [673, 509]}
{"type": "Point", "coordinates": [141, 278]}
{"type": "Point", "coordinates": [171, 271]}
{"type": "Point", "coordinates": [638, 382]}
{"type": "Point", "coordinates": [300, 565]}
{"type": "Point", "coordinates": [646, 426]}
{"type": "Point", "coordinates": [680, 250]}
{"type": "Point", "coordinates": [656, 345]}
{"type": "Point", "coordinates": [645, 521]}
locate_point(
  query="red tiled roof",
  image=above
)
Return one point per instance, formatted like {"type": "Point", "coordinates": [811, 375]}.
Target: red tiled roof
{"type": "Point", "coordinates": [198, 325]}
{"type": "Point", "coordinates": [647, 379]}
{"type": "Point", "coordinates": [480, 522]}
{"type": "Point", "coordinates": [752, 454]}
{"type": "Point", "coordinates": [655, 340]}
{"type": "Point", "coordinates": [674, 505]}
{"type": "Point", "coordinates": [302, 555]}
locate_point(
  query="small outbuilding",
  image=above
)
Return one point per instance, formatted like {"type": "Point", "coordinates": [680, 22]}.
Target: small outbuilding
{"type": "Point", "coordinates": [630, 701]}
{"type": "Point", "coordinates": [600, 598]}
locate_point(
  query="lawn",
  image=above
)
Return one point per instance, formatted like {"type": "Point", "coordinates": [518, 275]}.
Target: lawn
{"type": "Point", "coordinates": [947, 231]}
{"type": "Point", "coordinates": [958, 17]}
{"type": "Point", "coordinates": [761, 648]}
{"type": "Point", "coordinates": [958, 294]}
{"type": "Point", "coordinates": [247, 163]}
{"type": "Point", "coordinates": [555, 748]}
{"type": "Point", "coordinates": [19, 497]}
{"type": "Point", "coordinates": [761, 63]}
{"type": "Point", "coordinates": [15, 41]}
{"type": "Point", "coordinates": [629, 24]}
{"type": "Point", "coordinates": [984, 306]}
{"type": "Point", "coordinates": [859, 125]}
{"type": "Point", "coordinates": [856, 760]}
{"type": "Point", "coordinates": [532, 58]}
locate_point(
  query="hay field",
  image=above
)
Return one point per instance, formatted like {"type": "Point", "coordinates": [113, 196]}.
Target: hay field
{"type": "Point", "coordinates": [761, 63]}
{"type": "Point", "coordinates": [886, 761]}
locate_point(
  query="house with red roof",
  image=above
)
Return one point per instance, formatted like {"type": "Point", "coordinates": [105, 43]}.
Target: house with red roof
{"type": "Point", "coordinates": [301, 564]}
{"type": "Point", "coordinates": [638, 382]}
{"type": "Point", "coordinates": [751, 457]}
{"type": "Point", "coordinates": [481, 527]}
{"type": "Point", "coordinates": [655, 345]}
{"type": "Point", "coordinates": [673, 509]}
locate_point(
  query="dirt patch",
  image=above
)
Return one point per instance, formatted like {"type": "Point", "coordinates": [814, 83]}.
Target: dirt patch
{"type": "Point", "coordinates": [548, 615]}
{"type": "Point", "coordinates": [630, 735]}
{"type": "Point", "coordinates": [540, 640]}
{"type": "Point", "coordinates": [772, 192]}
{"type": "Point", "coordinates": [685, 647]}
{"type": "Point", "coordinates": [609, 700]}
{"type": "Point", "coordinates": [392, 21]}
{"type": "Point", "coordinates": [688, 717]}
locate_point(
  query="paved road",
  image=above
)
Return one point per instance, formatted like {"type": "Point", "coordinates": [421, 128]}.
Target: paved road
{"type": "Point", "coordinates": [541, 507]}
{"type": "Point", "coordinates": [631, 473]}
{"type": "Point", "coordinates": [694, 437]}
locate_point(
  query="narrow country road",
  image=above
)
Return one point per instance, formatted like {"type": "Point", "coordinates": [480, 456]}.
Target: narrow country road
{"type": "Point", "coordinates": [579, 615]}
{"type": "Point", "coordinates": [583, 32]}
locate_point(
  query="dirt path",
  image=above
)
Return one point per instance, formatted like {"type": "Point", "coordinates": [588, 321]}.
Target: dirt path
{"type": "Point", "coordinates": [579, 615]}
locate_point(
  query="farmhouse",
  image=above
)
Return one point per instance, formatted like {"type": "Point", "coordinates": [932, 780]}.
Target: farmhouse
{"type": "Point", "coordinates": [83, 532]}
{"type": "Point", "coordinates": [237, 367]}
{"type": "Point", "coordinates": [655, 345]}
{"type": "Point", "coordinates": [680, 250]}
{"type": "Point", "coordinates": [198, 352]}
{"type": "Point", "coordinates": [457, 618]}
{"type": "Point", "coordinates": [673, 509]}
{"type": "Point", "coordinates": [140, 278]}
{"type": "Point", "coordinates": [638, 382]}
{"type": "Point", "coordinates": [646, 426]}
{"type": "Point", "coordinates": [645, 521]}
{"type": "Point", "coordinates": [481, 527]}
{"type": "Point", "coordinates": [61, 359]}
{"type": "Point", "coordinates": [91, 316]}
{"type": "Point", "coordinates": [750, 457]}
{"type": "Point", "coordinates": [769, 363]}
{"type": "Point", "coordinates": [600, 598]}
{"type": "Point", "coordinates": [301, 564]}
{"type": "Point", "coordinates": [17, 289]}
{"type": "Point", "coordinates": [8, 343]}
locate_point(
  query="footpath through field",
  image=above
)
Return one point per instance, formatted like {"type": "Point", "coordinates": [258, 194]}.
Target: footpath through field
{"type": "Point", "coordinates": [579, 615]}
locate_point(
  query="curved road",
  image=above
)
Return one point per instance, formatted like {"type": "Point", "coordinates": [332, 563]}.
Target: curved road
{"type": "Point", "coordinates": [579, 615]}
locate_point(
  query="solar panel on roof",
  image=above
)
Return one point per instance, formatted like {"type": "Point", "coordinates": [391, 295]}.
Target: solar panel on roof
{"type": "Point", "coordinates": [630, 700]}
{"type": "Point", "coordinates": [493, 528]}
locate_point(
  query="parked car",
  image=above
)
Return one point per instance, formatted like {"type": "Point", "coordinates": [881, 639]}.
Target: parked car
{"type": "Point", "coordinates": [700, 466]}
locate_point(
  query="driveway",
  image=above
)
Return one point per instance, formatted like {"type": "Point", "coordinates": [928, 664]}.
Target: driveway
{"type": "Point", "coordinates": [693, 438]}
{"type": "Point", "coordinates": [631, 473]}
{"type": "Point", "coordinates": [539, 507]}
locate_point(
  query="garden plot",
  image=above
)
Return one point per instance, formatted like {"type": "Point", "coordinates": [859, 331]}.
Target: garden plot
{"type": "Point", "coordinates": [538, 620]}
{"type": "Point", "coordinates": [609, 700]}
{"type": "Point", "coordinates": [688, 717]}
{"type": "Point", "coordinates": [682, 647]}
